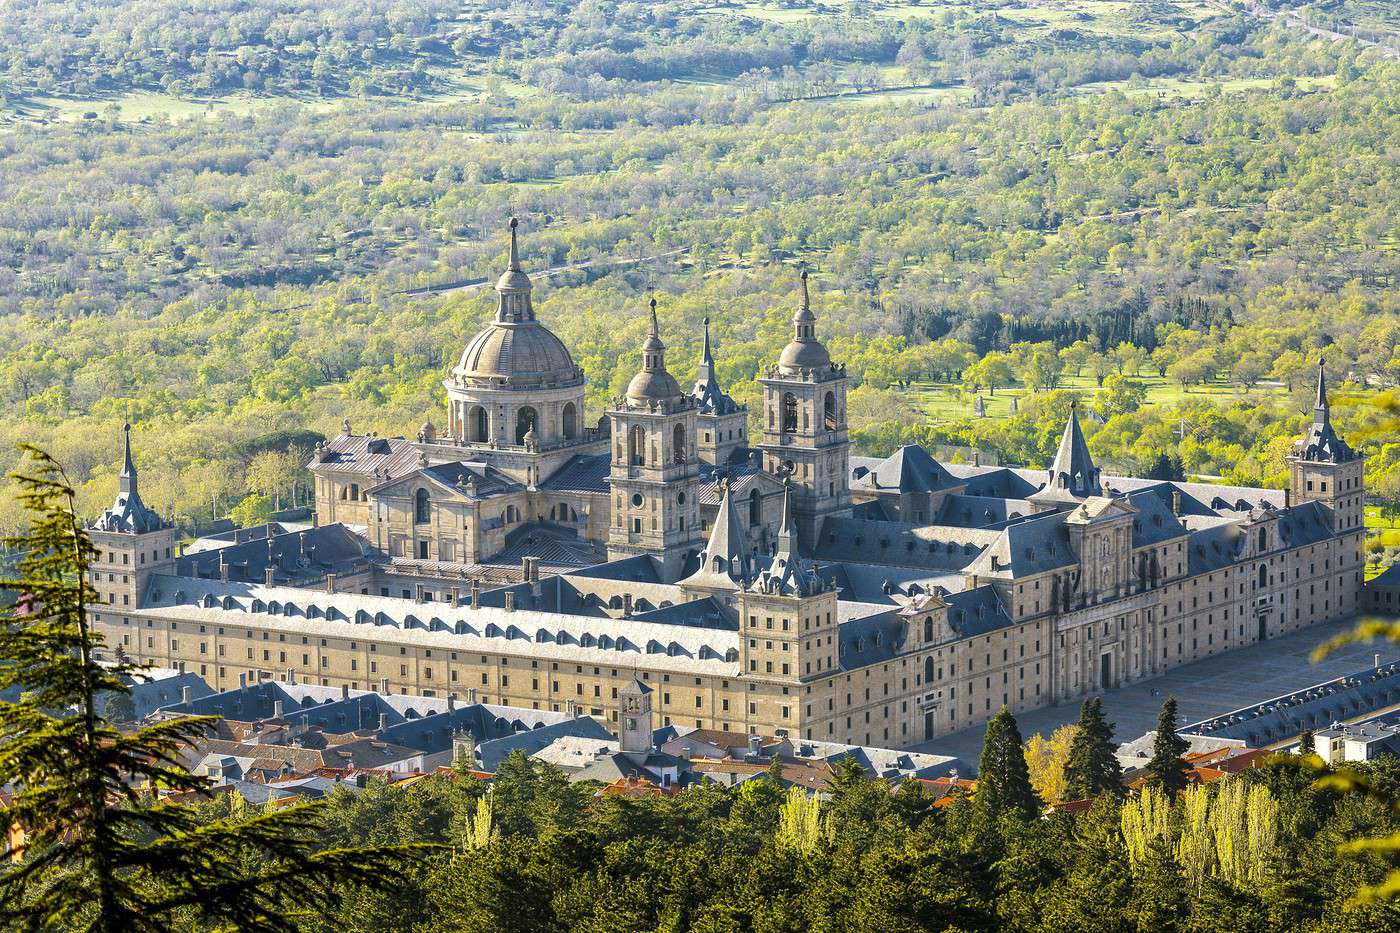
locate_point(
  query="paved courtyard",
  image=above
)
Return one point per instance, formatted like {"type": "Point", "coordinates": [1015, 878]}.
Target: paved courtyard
{"type": "Point", "coordinates": [1204, 688]}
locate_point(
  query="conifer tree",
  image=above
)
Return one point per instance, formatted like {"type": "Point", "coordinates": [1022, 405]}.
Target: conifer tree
{"type": "Point", "coordinates": [99, 853]}
{"type": "Point", "coordinates": [1092, 768]}
{"type": "Point", "coordinates": [1003, 780]}
{"type": "Point", "coordinates": [1166, 769]}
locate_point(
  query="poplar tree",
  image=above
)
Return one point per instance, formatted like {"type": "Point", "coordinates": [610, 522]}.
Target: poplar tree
{"type": "Point", "coordinates": [1003, 780]}
{"type": "Point", "coordinates": [98, 853]}
{"type": "Point", "coordinates": [1092, 768]}
{"type": "Point", "coordinates": [1166, 769]}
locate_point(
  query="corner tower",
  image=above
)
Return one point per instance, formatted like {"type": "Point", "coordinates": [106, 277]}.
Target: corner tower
{"type": "Point", "coordinates": [804, 423]}
{"type": "Point", "coordinates": [1323, 468]}
{"type": "Point", "coordinates": [132, 542]}
{"type": "Point", "coordinates": [655, 475]}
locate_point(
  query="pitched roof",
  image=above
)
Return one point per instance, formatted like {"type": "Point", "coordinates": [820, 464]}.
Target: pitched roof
{"type": "Point", "coordinates": [581, 473]}
{"type": "Point", "coordinates": [908, 469]}
{"type": "Point", "coordinates": [727, 561]}
{"type": "Point", "coordinates": [1322, 444]}
{"type": "Point", "coordinates": [1072, 474]}
{"type": "Point", "coordinates": [128, 513]}
{"type": "Point", "coordinates": [367, 455]}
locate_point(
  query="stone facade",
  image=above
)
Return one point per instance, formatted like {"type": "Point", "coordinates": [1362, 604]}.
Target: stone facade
{"type": "Point", "coordinates": [522, 558]}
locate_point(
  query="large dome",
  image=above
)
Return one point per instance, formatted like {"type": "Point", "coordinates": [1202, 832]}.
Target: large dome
{"type": "Point", "coordinates": [515, 349]}
{"type": "Point", "coordinates": [653, 383]}
{"type": "Point", "coordinates": [525, 354]}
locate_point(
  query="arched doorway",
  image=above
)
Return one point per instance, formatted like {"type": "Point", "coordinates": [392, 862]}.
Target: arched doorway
{"type": "Point", "coordinates": [478, 426]}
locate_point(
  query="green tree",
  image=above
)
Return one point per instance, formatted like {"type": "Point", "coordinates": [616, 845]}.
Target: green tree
{"type": "Point", "coordinates": [118, 707]}
{"type": "Point", "coordinates": [100, 855]}
{"type": "Point", "coordinates": [1092, 768]}
{"type": "Point", "coordinates": [253, 510]}
{"type": "Point", "coordinates": [1003, 781]}
{"type": "Point", "coordinates": [1166, 769]}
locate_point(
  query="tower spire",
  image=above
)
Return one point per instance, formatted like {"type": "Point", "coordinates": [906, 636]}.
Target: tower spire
{"type": "Point", "coordinates": [513, 304]}
{"type": "Point", "coordinates": [128, 474]}
{"type": "Point", "coordinates": [654, 331]}
{"type": "Point", "coordinates": [705, 358]}
{"type": "Point", "coordinates": [787, 535]}
{"type": "Point", "coordinates": [805, 303]}
{"type": "Point", "coordinates": [1321, 410]}
{"type": "Point", "coordinates": [514, 264]}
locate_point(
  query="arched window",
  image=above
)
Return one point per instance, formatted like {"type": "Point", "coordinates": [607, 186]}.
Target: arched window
{"type": "Point", "coordinates": [829, 412]}
{"type": "Point", "coordinates": [789, 412]}
{"type": "Point", "coordinates": [928, 628]}
{"type": "Point", "coordinates": [569, 423]}
{"type": "Point", "coordinates": [421, 512]}
{"type": "Point", "coordinates": [755, 509]}
{"type": "Point", "coordinates": [636, 446]}
{"type": "Point", "coordinates": [1263, 576]}
{"type": "Point", "coordinates": [1263, 540]}
{"type": "Point", "coordinates": [678, 444]}
{"type": "Point", "coordinates": [478, 427]}
{"type": "Point", "coordinates": [524, 420]}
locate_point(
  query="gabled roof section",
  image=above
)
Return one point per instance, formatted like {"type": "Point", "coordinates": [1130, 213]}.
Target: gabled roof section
{"type": "Point", "coordinates": [1027, 548]}
{"type": "Point", "coordinates": [908, 469]}
{"type": "Point", "coordinates": [581, 473]}
{"type": "Point", "coordinates": [789, 574]}
{"type": "Point", "coordinates": [366, 454]}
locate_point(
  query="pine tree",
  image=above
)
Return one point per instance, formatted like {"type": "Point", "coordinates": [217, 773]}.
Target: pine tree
{"type": "Point", "coordinates": [1166, 769]}
{"type": "Point", "coordinates": [1003, 780]}
{"type": "Point", "coordinates": [1092, 768]}
{"type": "Point", "coordinates": [99, 854]}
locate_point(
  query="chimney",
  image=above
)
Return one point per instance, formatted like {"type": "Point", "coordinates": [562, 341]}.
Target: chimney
{"type": "Point", "coordinates": [471, 694]}
{"type": "Point", "coordinates": [383, 685]}
{"type": "Point", "coordinates": [510, 601]}
{"type": "Point", "coordinates": [345, 691]}
{"type": "Point", "coordinates": [451, 702]}
{"type": "Point", "coordinates": [330, 583]}
{"type": "Point", "coordinates": [315, 520]}
{"type": "Point", "coordinates": [269, 574]}
{"type": "Point", "coordinates": [1287, 496]}
{"type": "Point", "coordinates": [571, 709]}
{"type": "Point", "coordinates": [977, 458]}
{"type": "Point", "coordinates": [223, 569]}
{"type": "Point", "coordinates": [456, 595]}
{"type": "Point", "coordinates": [383, 721]}
{"type": "Point", "coordinates": [525, 570]}
{"type": "Point", "coordinates": [276, 709]}
{"type": "Point", "coordinates": [187, 694]}
{"type": "Point", "coordinates": [291, 675]}
{"type": "Point", "coordinates": [755, 746]}
{"type": "Point", "coordinates": [627, 605]}
{"type": "Point", "coordinates": [476, 594]}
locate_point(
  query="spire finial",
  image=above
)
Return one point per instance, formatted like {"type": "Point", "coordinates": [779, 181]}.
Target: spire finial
{"type": "Point", "coordinates": [705, 356]}
{"type": "Point", "coordinates": [1320, 406]}
{"type": "Point", "coordinates": [128, 468]}
{"type": "Point", "coordinates": [806, 303]}
{"type": "Point", "coordinates": [514, 264]}
{"type": "Point", "coordinates": [654, 331]}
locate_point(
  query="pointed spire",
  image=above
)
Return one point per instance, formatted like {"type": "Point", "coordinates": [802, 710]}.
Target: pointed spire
{"type": "Point", "coordinates": [705, 358]}
{"type": "Point", "coordinates": [1321, 410]}
{"type": "Point", "coordinates": [1072, 474]}
{"type": "Point", "coordinates": [513, 287]}
{"type": "Point", "coordinates": [514, 263]}
{"type": "Point", "coordinates": [128, 474]}
{"type": "Point", "coordinates": [787, 534]}
{"type": "Point", "coordinates": [725, 560]}
{"type": "Point", "coordinates": [707, 390]}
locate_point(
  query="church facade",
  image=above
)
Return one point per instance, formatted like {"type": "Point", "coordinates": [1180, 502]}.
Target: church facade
{"type": "Point", "coordinates": [522, 556]}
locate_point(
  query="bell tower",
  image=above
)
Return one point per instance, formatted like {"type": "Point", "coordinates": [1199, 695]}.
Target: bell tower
{"type": "Point", "coordinates": [804, 423]}
{"type": "Point", "coordinates": [655, 475]}
{"type": "Point", "coordinates": [634, 722]}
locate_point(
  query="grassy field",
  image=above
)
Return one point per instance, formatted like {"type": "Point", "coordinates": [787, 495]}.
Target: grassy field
{"type": "Point", "coordinates": [1181, 88]}
{"type": "Point", "coordinates": [943, 400]}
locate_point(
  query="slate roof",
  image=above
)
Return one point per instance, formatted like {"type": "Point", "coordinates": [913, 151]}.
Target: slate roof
{"type": "Point", "coordinates": [707, 391]}
{"type": "Point", "coordinates": [743, 477]}
{"type": "Point", "coordinates": [1322, 443]}
{"type": "Point", "coordinates": [556, 546]}
{"type": "Point", "coordinates": [365, 454]}
{"type": "Point", "coordinates": [1026, 548]}
{"type": "Point", "coordinates": [490, 754]}
{"type": "Point", "coordinates": [1072, 474]}
{"type": "Point", "coordinates": [726, 561]}
{"type": "Point", "coordinates": [293, 556]}
{"type": "Point", "coordinates": [965, 511]}
{"type": "Point", "coordinates": [908, 469]}
{"type": "Point", "coordinates": [976, 611]}
{"type": "Point", "coordinates": [934, 547]}
{"type": "Point", "coordinates": [581, 473]}
{"type": "Point", "coordinates": [462, 475]}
